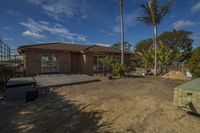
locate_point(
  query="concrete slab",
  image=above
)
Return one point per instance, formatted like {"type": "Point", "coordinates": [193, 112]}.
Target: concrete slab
{"type": "Point", "coordinates": [17, 87]}
{"type": "Point", "coordinates": [17, 82]}
{"type": "Point", "coordinates": [54, 80]}
{"type": "Point", "coordinates": [51, 80]}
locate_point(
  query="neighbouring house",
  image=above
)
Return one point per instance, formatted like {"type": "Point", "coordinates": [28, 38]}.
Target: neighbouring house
{"type": "Point", "coordinates": [66, 58]}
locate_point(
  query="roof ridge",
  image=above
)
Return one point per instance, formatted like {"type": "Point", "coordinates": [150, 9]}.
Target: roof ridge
{"type": "Point", "coordinates": [51, 43]}
{"type": "Point", "coordinates": [89, 47]}
{"type": "Point", "coordinates": [41, 44]}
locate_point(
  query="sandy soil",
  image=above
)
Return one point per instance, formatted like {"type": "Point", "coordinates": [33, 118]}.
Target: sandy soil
{"type": "Point", "coordinates": [123, 105]}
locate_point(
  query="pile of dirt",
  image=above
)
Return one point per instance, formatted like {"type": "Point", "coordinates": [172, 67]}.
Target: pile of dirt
{"type": "Point", "coordinates": [175, 75]}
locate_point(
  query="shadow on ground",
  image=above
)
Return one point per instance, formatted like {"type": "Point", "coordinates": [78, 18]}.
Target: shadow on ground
{"type": "Point", "coordinates": [52, 114]}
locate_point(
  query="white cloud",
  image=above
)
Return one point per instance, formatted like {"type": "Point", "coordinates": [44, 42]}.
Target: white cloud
{"type": "Point", "coordinates": [82, 38]}
{"type": "Point", "coordinates": [58, 30]}
{"type": "Point", "coordinates": [101, 44]}
{"type": "Point", "coordinates": [102, 31]}
{"type": "Point", "coordinates": [129, 20]}
{"type": "Point", "coordinates": [196, 38]}
{"type": "Point", "coordinates": [11, 12]}
{"type": "Point", "coordinates": [33, 35]}
{"type": "Point", "coordinates": [196, 7]}
{"type": "Point", "coordinates": [32, 25]}
{"type": "Point", "coordinates": [35, 1]}
{"type": "Point", "coordinates": [60, 9]}
{"type": "Point", "coordinates": [7, 28]}
{"type": "Point", "coordinates": [7, 39]}
{"type": "Point", "coordinates": [112, 34]}
{"type": "Point", "coordinates": [116, 29]}
{"type": "Point", "coordinates": [44, 22]}
{"type": "Point", "coordinates": [182, 24]}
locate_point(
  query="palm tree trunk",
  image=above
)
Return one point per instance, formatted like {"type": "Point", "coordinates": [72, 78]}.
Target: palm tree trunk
{"type": "Point", "coordinates": [122, 32]}
{"type": "Point", "coordinates": [155, 49]}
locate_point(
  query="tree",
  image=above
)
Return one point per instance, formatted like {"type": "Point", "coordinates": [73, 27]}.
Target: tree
{"type": "Point", "coordinates": [180, 42]}
{"type": "Point", "coordinates": [165, 57]}
{"type": "Point", "coordinates": [127, 46]}
{"type": "Point", "coordinates": [177, 40]}
{"type": "Point", "coordinates": [146, 58]}
{"type": "Point", "coordinates": [153, 14]}
{"type": "Point", "coordinates": [143, 45]}
{"type": "Point", "coordinates": [194, 63]}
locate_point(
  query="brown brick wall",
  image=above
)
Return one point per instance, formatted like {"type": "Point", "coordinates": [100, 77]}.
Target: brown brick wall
{"type": "Point", "coordinates": [75, 63]}
{"type": "Point", "coordinates": [89, 64]}
{"type": "Point", "coordinates": [64, 62]}
{"type": "Point", "coordinates": [86, 64]}
{"type": "Point", "coordinates": [82, 62]}
{"type": "Point", "coordinates": [33, 61]}
{"type": "Point", "coordinates": [127, 57]}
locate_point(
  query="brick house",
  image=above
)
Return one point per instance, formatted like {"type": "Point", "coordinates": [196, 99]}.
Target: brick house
{"type": "Point", "coordinates": [66, 58]}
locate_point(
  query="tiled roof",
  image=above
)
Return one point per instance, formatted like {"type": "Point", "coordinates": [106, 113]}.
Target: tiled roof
{"type": "Point", "coordinates": [69, 47]}
{"type": "Point", "coordinates": [96, 48]}
{"type": "Point", "coordinates": [55, 46]}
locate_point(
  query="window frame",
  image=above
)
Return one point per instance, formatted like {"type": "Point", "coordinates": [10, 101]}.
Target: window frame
{"type": "Point", "coordinates": [53, 65]}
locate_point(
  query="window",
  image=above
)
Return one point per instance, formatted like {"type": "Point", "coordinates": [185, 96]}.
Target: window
{"type": "Point", "coordinates": [97, 64]}
{"type": "Point", "coordinates": [49, 64]}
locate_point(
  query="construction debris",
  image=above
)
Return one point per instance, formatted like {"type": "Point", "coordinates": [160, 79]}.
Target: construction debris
{"type": "Point", "coordinates": [176, 75]}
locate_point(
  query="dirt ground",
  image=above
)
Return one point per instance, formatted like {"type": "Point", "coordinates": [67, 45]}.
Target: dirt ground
{"type": "Point", "coordinates": [130, 105]}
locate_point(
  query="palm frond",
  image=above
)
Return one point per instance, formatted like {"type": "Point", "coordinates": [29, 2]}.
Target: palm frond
{"type": "Point", "coordinates": [154, 12]}
{"type": "Point", "coordinates": [146, 20]}
{"type": "Point", "coordinates": [146, 9]}
{"type": "Point", "coordinates": [147, 13]}
{"type": "Point", "coordinates": [164, 9]}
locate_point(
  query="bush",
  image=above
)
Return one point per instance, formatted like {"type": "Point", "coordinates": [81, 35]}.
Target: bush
{"type": "Point", "coordinates": [194, 63]}
{"type": "Point", "coordinates": [119, 69]}
{"type": "Point", "coordinates": [5, 74]}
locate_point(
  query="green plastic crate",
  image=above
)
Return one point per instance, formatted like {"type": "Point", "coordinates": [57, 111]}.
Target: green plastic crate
{"type": "Point", "coordinates": [187, 96]}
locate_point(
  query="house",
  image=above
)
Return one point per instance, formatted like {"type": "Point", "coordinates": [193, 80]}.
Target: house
{"type": "Point", "coordinates": [66, 58]}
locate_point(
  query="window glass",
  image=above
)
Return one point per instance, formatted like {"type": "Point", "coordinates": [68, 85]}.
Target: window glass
{"type": "Point", "coordinates": [97, 64]}
{"type": "Point", "coordinates": [49, 63]}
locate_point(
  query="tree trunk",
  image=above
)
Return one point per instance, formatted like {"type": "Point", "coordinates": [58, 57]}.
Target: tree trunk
{"type": "Point", "coordinates": [122, 32]}
{"type": "Point", "coordinates": [155, 49]}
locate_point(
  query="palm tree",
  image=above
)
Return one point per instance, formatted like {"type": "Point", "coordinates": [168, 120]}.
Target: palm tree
{"type": "Point", "coordinates": [153, 14]}
{"type": "Point", "coordinates": [122, 31]}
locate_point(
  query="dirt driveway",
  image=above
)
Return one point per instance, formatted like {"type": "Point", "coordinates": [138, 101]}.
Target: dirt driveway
{"type": "Point", "coordinates": [123, 105]}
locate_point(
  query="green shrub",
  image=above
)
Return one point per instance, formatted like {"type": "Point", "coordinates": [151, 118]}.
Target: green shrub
{"type": "Point", "coordinates": [5, 74]}
{"type": "Point", "coordinates": [164, 57]}
{"type": "Point", "coordinates": [194, 63]}
{"type": "Point", "coordinates": [119, 69]}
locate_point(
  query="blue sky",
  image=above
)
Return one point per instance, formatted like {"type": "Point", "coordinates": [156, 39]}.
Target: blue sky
{"type": "Point", "coordinates": [87, 21]}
